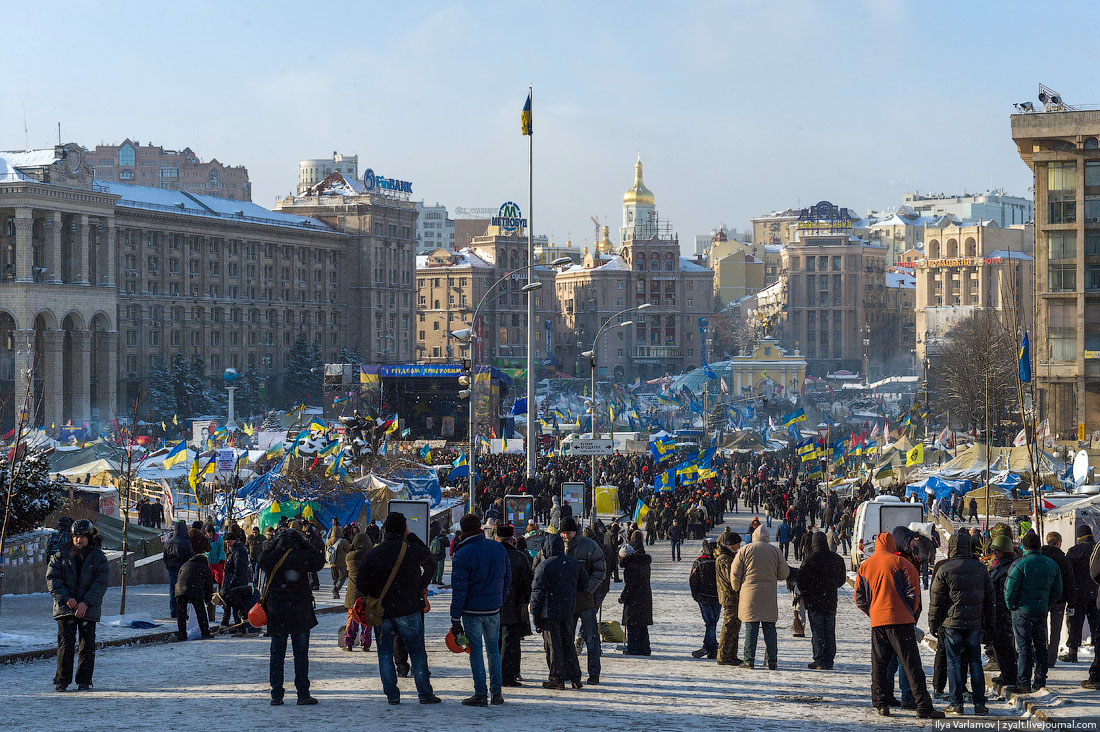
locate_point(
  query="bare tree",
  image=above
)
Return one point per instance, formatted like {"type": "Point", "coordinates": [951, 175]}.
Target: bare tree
{"type": "Point", "coordinates": [976, 369]}
{"type": "Point", "coordinates": [732, 332]}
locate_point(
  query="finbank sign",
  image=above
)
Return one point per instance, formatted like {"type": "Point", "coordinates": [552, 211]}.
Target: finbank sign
{"type": "Point", "coordinates": [509, 217]}
{"type": "Point", "coordinates": [373, 182]}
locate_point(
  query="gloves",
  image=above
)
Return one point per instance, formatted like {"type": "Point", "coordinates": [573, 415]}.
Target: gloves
{"type": "Point", "coordinates": [456, 628]}
{"type": "Point", "coordinates": [538, 627]}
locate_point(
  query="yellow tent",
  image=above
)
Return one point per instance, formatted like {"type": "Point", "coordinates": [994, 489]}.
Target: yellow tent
{"type": "Point", "coordinates": [607, 500]}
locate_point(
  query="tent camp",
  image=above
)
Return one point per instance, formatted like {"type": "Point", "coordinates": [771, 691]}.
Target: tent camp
{"type": "Point", "coordinates": [978, 458]}
{"type": "Point", "coordinates": [941, 487]}
{"type": "Point", "coordinates": [1066, 518]}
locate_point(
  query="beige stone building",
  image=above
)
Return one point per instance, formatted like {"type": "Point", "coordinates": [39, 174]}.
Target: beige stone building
{"type": "Point", "coordinates": [738, 271]}
{"type": "Point", "coordinates": [778, 227]}
{"type": "Point", "coordinates": [646, 268]}
{"type": "Point", "coordinates": [449, 287]}
{"type": "Point", "coordinates": [100, 278]}
{"type": "Point", "coordinates": [966, 267]}
{"type": "Point", "coordinates": [174, 170]}
{"type": "Point", "coordinates": [1062, 148]}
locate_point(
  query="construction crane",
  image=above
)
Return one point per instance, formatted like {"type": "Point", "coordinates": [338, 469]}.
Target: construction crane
{"type": "Point", "coordinates": [597, 239]}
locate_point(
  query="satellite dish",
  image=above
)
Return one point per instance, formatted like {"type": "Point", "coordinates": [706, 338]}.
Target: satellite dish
{"type": "Point", "coordinates": [1081, 468]}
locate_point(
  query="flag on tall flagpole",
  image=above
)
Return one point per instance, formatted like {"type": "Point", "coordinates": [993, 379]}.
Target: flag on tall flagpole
{"type": "Point", "coordinates": [1025, 360]}
{"type": "Point", "coordinates": [525, 116]}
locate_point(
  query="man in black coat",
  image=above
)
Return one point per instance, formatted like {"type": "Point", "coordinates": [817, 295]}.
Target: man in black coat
{"type": "Point", "coordinates": [515, 623]}
{"type": "Point", "coordinates": [288, 563]}
{"type": "Point", "coordinates": [402, 605]}
{"type": "Point", "coordinates": [960, 605]}
{"type": "Point", "coordinates": [177, 550]}
{"type": "Point", "coordinates": [819, 577]}
{"type": "Point", "coordinates": [1001, 637]}
{"type": "Point", "coordinates": [558, 579]}
{"type": "Point", "coordinates": [1085, 590]}
{"type": "Point", "coordinates": [236, 590]}
{"type": "Point", "coordinates": [1053, 550]}
{"type": "Point", "coordinates": [195, 587]}
{"type": "Point", "coordinates": [704, 590]}
{"type": "Point", "coordinates": [77, 577]}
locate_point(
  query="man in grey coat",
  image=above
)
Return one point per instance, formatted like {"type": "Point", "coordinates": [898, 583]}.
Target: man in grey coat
{"type": "Point", "coordinates": [77, 577]}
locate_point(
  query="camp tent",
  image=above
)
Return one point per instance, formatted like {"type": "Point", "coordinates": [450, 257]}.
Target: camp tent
{"type": "Point", "coordinates": [1066, 518]}
{"type": "Point", "coordinates": [941, 487]}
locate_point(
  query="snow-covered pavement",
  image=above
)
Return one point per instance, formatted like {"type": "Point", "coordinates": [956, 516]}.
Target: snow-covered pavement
{"type": "Point", "coordinates": [225, 681]}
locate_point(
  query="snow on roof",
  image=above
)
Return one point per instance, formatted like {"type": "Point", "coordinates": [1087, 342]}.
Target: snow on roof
{"type": "Point", "coordinates": [686, 265]}
{"type": "Point", "coordinates": [463, 258]}
{"type": "Point", "coordinates": [1010, 254]}
{"type": "Point", "coordinates": [773, 248]}
{"type": "Point", "coordinates": [12, 160]}
{"type": "Point", "coordinates": [194, 204]}
{"type": "Point", "coordinates": [897, 220]}
{"type": "Point", "coordinates": [901, 280]}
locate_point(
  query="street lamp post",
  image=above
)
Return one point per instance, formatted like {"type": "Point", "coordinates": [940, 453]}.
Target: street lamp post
{"type": "Point", "coordinates": [466, 335]}
{"type": "Point", "coordinates": [591, 355]}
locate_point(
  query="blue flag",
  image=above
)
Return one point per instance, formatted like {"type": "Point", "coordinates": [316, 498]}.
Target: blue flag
{"type": "Point", "coordinates": [1025, 360]}
{"type": "Point", "coordinates": [798, 415]}
{"type": "Point", "coordinates": [520, 406]}
{"type": "Point", "coordinates": [708, 371]}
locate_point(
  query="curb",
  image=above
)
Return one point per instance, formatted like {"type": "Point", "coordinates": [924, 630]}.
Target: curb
{"type": "Point", "coordinates": [168, 636]}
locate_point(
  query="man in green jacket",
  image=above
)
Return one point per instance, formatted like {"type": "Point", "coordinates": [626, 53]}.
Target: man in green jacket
{"type": "Point", "coordinates": [1034, 584]}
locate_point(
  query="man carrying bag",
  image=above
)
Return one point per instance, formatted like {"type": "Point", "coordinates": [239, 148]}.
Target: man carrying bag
{"type": "Point", "coordinates": [391, 580]}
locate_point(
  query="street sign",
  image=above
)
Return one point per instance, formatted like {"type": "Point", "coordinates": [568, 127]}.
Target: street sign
{"type": "Point", "coordinates": [587, 448]}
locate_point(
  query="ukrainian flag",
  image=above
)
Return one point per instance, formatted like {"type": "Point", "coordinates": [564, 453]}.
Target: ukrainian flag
{"type": "Point", "coordinates": [426, 453]}
{"type": "Point", "coordinates": [1025, 360]}
{"type": "Point", "coordinates": [196, 474]}
{"type": "Point", "coordinates": [176, 455]}
{"type": "Point", "coordinates": [525, 117]}
{"type": "Point", "coordinates": [640, 512]}
{"type": "Point", "coordinates": [665, 481]}
{"type": "Point", "coordinates": [798, 415]}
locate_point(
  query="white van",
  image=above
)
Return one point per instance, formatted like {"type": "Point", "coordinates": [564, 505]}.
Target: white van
{"type": "Point", "coordinates": [873, 517]}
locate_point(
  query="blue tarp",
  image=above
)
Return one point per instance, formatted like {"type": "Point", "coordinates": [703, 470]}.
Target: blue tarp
{"type": "Point", "coordinates": [423, 485]}
{"type": "Point", "coordinates": [940, 486]}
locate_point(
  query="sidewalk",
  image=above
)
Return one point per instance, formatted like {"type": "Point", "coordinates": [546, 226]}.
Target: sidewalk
{"type": "Point", "coordinates": [27, 625]}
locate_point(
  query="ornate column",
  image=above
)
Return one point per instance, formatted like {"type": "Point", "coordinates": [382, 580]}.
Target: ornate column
{"type": "Point", "coordinates": [24, 360]}
{"type": "Point", "coordinates": [24, 247]}
{"type": "Point", "coordinates": [80, 367]}
{"type": "Point", "coordinates": [109, 405]}
{"type": "Point", "coordinates": [52, 364]}
{"type": "Point", "coordinates": [110, 264]}
{"type": "Point", "coordinates": [53, 246]}
{"type": "Point", "coordinates": [82, 251]}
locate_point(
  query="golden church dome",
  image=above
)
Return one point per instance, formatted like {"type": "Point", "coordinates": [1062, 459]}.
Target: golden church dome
{"type": "Point", "coordinates": [638, 194]}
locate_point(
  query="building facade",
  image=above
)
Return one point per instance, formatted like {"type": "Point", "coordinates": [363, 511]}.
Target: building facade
{"type": "Point", "coordinates": [434, 228]}
{"type": "Point", "coordinates": [993, 205]}
{"type": "Point", "coordinates": [738, 271]}
{"type": "Point", "coordinates": [377, 277]}
{"type": "Point", "coordinates": [101, 278]}
{"type": "Point", "coordinates": [313, 171]}
{"type": "Point", "coordinates": [174, 170]}
{"type": "Point", "coordinates": [647, 268]}
{"type": "Point", "coordinates": [968, 267]}
{"type": "Point", "coordinates": [1063, 152]}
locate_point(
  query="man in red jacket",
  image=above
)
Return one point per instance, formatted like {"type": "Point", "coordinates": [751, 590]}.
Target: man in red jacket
{"type": "Point", "coordinates": [888, 592]}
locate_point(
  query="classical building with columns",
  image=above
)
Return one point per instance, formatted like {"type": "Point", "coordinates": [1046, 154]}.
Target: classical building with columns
{"type": "Point", "coordinates": [99, 278]}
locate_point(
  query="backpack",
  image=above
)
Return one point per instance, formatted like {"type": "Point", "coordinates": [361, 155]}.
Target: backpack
{"type": "Point", "coordinates": [330, 553]}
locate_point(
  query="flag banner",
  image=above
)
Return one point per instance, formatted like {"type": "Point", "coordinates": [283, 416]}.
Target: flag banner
{"type": "Point", "coordinates": [915, 456]}
{"type": "Point", "coordinates": [798, 415]}
{"type": "Point", "coordinates": [525, 119]}
{"type": "Point", "coordinates": [1025, 360]}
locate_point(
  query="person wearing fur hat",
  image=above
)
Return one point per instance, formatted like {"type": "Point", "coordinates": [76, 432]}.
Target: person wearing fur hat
{"type": "Point", "coordinates": [77, 578]}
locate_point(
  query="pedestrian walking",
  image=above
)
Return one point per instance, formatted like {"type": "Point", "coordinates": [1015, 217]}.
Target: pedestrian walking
{"type": "Point", "coordinates": [755, 575]}
{"type": "Point", "coordinates": [704, 590]}
{"type": "Point", "coordinates": [887, 592]}
{"type": "Point", "coordinates": [675, 539]}
{"type": "Point", "coordinates": [480, 576]}
{"type": "Point", "coordinates": [438, 548]}
{"type": "Point", "coordinates": [515, 620]}
{"type": "Point", "coordinates": [77, 578]}
{"type": "Point", "coordinates": [819, 578]}
{"type": "Point", "coordinates": [960, 607]}
{"type": "Point", "coordinates": [1093, 680]}
{"type": "Point", "coordinates": [1034, 585]}
{"type": "Point", "coordinates": [289, 606]}
{"type": "Point", "coordinates": [255, 546]}
{"type": "Point", "coordinates": [360, 545]}
{"type": "Point", "coordinates": [558, 579]}
{"type": "Point", "coordinates": [336, 554]}
{"type": "Point", "coordinates": [636, 598]}
{"type": "Point", "coordinates": [783, 536]}
{"type": "Point", "coordinates": [411, 567]}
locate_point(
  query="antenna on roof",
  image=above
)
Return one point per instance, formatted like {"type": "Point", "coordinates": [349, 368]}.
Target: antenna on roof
{"type": "Point", "coordinates": [58, 133]}
{"type": "Point", "coordinates": [26, 135]}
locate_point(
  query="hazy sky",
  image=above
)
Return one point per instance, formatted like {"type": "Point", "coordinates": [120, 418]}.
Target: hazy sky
{"type": "Point", "coordinates": [737, 107]}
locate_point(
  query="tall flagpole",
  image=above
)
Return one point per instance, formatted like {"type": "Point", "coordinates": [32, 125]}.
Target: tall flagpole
{"type": "Point", "coordinates": [532, 448]}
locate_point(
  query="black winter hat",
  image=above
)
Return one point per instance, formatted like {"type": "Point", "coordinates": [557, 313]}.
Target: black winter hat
{"type": "Point", "coordinates": [1083, 530]}
{"type": "Point", "coordinates": [395, 523]}
{"type": "Point", "coordinates": [506, 531]}
{"type": "Point", "coordinates": [567, 524]}
{"type": "Point", "coordinates": [469, 524]}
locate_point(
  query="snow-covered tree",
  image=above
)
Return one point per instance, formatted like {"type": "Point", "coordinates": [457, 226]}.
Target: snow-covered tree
{"type": "Point", "coordinates": [160, 397]}
{"type": "Point", "coordinates": [34, 497]}
{"type": "Point", "coordinates": [299, 374]}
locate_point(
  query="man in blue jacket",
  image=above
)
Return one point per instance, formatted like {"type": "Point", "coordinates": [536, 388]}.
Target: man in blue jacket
{"type": "Point", "coordinates": [480, 577]}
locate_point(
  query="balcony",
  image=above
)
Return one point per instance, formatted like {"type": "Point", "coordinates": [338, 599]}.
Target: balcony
{"type": "Point", "coordinates": [654, 354]}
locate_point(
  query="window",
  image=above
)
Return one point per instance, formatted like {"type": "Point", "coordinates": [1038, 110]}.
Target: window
{"type": "Point", "coordinates": [1061, 244]}
{"type": "Point", "coordinates": [1062, 176]}
{"type": "Point", "coordinates": [126, 175]}
{"type": "Point", "coordinates": [811, 264]}
{"type": "Point", "coordinates": [1092, 209]}
{"type": "Point", "coordinates": [1062, 331]}
{"type": "Point", "coordinates": [131, 337]}
{"type": "Point", "coordinates": [1062, 211]}
{"type": "Point", "coordinates": [1092, 173]}
{"type": "Point", "coordinates": [1092, 277]}
{"type": "Point", "coordinates": [127, 156]}
{"type": "Point", "coordinates": [1063, 277]}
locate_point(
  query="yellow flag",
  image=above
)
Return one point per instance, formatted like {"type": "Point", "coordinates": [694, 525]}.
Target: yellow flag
{"type": "Point", "coordinates": [275, 507]}
{"type": "Point", "coordinates": [249, 429]}
{"type": "Point", "coordinates": [915, 456]}
{"type": "Point", "coordinates": [307, 512]}
{"type": "Point", "coordinates": [175, 420]}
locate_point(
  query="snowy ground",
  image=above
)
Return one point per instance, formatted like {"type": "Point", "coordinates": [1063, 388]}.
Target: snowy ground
{"type": "Point", "coordinates": [181, 684]}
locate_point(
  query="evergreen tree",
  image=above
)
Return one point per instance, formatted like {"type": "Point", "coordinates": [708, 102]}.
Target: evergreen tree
{"type": "Point", "coordinates": [299, 376]}
{"type": "Point", "coordinates": [248, 390]}
{"type": "Point", "coordinates": [198, 388]}
{"type": "Point", "coordinates": [160, 397]}
{"type": "Point", "coordinates": [34, 497]}
{"type": "Point", "coordinates": [181, 378]}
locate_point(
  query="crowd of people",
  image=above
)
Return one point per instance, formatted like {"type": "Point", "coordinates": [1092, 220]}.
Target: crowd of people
{"type": "Point", "coordinates": [551, 577]}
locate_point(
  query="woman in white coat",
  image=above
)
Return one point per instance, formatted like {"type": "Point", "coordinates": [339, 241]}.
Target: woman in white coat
{"type": "Point", "coordinates": [755, 575]}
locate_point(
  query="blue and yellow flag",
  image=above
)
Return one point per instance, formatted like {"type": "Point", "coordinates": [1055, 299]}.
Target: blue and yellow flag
{"type": "Point", "coordinates": [426, 453]}
{"type": "Point", "coordinates": [640, 512]}
{"type": "Point", "coordinates": [798, 415]}
{"type": "Point", "coordinates": [665, 481]}
{"type": "Point", "coordinates": [525, 117]}
{"type": "Point", "coordinates": [1025, 360]}
{"type": "Point", "coordinates": [176, 455]}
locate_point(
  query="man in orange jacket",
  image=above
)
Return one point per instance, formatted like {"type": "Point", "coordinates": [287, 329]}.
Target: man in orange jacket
{"type": "Point", "coordinates": [888, 592]}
